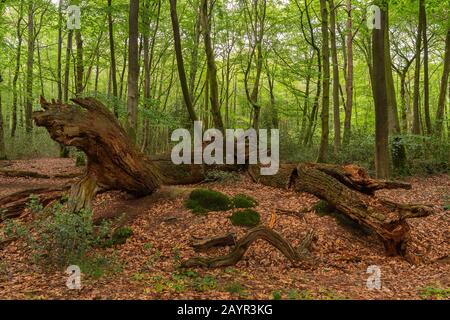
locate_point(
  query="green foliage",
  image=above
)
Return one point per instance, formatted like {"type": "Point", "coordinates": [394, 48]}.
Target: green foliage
{"type": "Point", "coordinates": [80, 159]}
{"type": "Point", "coordinates": [34, 204]}
{"type": "Point", "coordinates": [244, 201]}
{"type": "Point", "coordinates": [222, 176]}
{"type": "Point", "coordinates": [119, 236]}
{"type": "Point", "coordinates": [277, 295]}
{"type": "Point", "coordinates": [236, 288]}
{"type": "Point", "coordinates": [246, 218]}
{"type": "Point", "coordinates": [447, 203]}
{"type": "Point", "coordinates": [202, 201]}
{"type": "Point", "coordinates": [438, 293]}
{"type": "Point", "coordinates": [98, 266]}
{"type": "Point", "coordinates": [62, 237]}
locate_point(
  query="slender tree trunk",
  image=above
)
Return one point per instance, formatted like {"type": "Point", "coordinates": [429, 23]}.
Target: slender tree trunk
{"type": "Point", "coordinates": [443, 89]}
{"type": "Point", "coordinates": [2, 135]}
{"type": "Point", "coordinates": [381, 99]}
{"type": "Point", "coordinates": [124, 67]}
{"type": "Point", "coordinates": [30, 64]}
{"type": "Point", "coordinates": [133, 69]}
{"type": "Point", "coordinates": [113, 59]}
{"type": "Point", "coordinates": [79, 65]}
{"type": "Point", "coordinates": [59, 66]}
{"type": "Point", "coordinates": [426, 85]}
{"type": "Point", "coordinates": [323, 150]}
{"type": "Point", "coordinates": [212, 69]}
{"type": "Point", "coordinates": [180, 63]}
{"type": "Point", "coordinates": [416, 102]}
{"type": "Point", "coordinates": [336, 111]}
{"type": "Point", "coordinates": [349, 82]}
{"type": "Point", "coordinates": [67, 66]}
{"type": "Point", "coordinates": [17, 71]}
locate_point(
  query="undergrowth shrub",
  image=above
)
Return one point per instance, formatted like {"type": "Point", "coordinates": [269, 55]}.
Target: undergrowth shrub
{"type": "Point", "coordinates": [245, 218]}
{"type": "Point", "coordinates": [59, 237]}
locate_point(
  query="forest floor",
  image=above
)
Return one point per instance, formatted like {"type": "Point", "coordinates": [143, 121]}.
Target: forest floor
{"type": "Point", "coordinates": [146, 266]}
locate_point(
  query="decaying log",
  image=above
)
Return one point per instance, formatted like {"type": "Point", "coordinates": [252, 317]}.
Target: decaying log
{"type": "Point", "coordinates": [113, 162]}
{"type": "Point", "coordinates": [199, 244]}
{"type": "Point", "coordinates": [241, 247]}
{"type": "Point", "coordinates": [12, 205]}
{"type": "Point", "coordinates": [37, 175]}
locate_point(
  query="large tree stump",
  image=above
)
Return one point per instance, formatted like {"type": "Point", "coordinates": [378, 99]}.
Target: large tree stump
{"type": "Point", "coordinates": [113, 162]}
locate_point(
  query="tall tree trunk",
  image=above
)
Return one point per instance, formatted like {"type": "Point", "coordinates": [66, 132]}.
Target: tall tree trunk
{"type": "Point", "coordinates": [2, 134]}
{"type": "Point", "coordinates": [398, 152]}
{"type": "Point", "coordinates": [426, 85]}
{"type": "Point", "coordinates": [323, 150]}
{"type": "Point", "coordinates": [133, 69]}
{"type": "Point", "coordinates": [79, 65]}
{"type": "Point", "coordinates": [180, 63]}
{"type": "Point", "coordinates": [443, 89]}
{"type": "Point", "coordinates": [380, 98]}
{"type": "Point", "coordinates": [212, 69]}
{"type": "Point", "coordinates": [59, 66]}
{"type": "Point", "coordinates": [113, 59]}
{"type": "Point", "coordinates": [19, 33]}
{"type": "Point", "coordinates": [30, 64]}
{"type": "Point", "coordinates": [416, 102]}
{"type": "Point", "coordinates": [67, 66]}
{"type": "Point", "coordinates": [349, 80]}
{"type": "Point", "coordinates": [336, 111]}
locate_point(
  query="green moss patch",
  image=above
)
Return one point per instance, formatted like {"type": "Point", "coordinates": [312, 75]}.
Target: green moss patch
{"type": "Point", "coordinates": [202, 201]}
{"type": "Point", "coordinates": [245, 218]}
{"type": "Point", "coordinates": [244, 201]}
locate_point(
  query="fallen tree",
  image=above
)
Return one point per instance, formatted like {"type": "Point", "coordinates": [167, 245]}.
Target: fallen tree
{"type": "Point", "coordinates": [113, 162]}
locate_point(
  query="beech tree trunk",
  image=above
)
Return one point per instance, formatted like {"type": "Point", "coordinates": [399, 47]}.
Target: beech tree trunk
{"type": "Point", "coordinates": [323, 149]}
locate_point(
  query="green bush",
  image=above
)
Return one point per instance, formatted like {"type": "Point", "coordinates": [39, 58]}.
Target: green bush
{"type": "Point", "coordinates": [62, 237]}
{"type": "Point", "coordinates": [205, 200]}
{"type": "Point", "coordinates": [244, 201]}
{"type": "Point", "coordinates": [246, 218]}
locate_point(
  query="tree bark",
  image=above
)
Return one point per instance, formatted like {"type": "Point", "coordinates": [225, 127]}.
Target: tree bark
{"type": "Point", "coordinates": [416, 101]}
{"type": "Point", "coordinates": [212, 69]}
{"type": "Point", "coordinates": [381, 100]}
{"type": "Point", "coordinates": [19, 34]}
{"type": "Point", "coordinates": [323, 149]}
{"type": "Point", "coordinates": [336, 109]}
{"type": "Point", "coordinates": [30, 63]}
{"type": "Point", "coordinates": [426, 85]}
{"type": "Point", "coordinates": [443, 88]}
{"type": "Point", "coordinates": [180, 63]}
{"type": "Point", "coordinates": [349, 80]}
{"type": "Point", "coordinates": [133, 69]}
{"type": "Point", "coordinates": [113, 59]}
